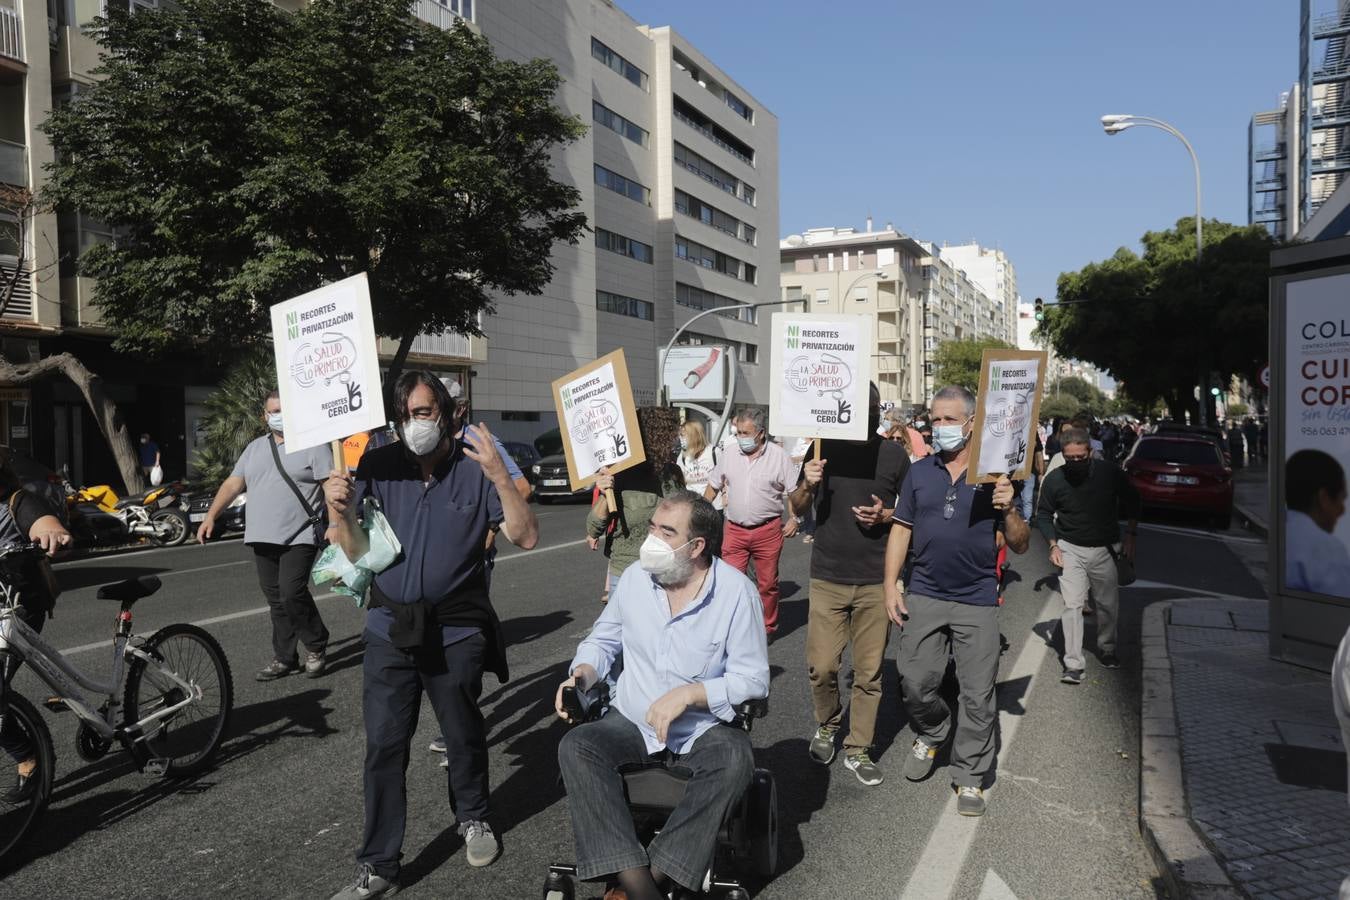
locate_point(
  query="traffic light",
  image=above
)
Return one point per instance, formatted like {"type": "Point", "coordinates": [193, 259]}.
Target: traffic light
{"type": "Point", "coordinates": [1040, 310]}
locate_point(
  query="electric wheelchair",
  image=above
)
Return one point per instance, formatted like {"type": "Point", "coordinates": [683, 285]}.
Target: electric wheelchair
{"type": "Point", "coordinates": [748, 839]}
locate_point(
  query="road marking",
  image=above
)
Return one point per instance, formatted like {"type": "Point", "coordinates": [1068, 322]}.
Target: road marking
{"type": "Point", "coordinates": [1203, 535]}
{"type": "Point", "coordinates": [939, 865]}
{"type": "Point", "coordinates": [259, 610]}
{"type": "Point", "coordinates": [995, 888]}
{"type": "Point", "coordinates": [117, 556]}
{"type": "Point", "coordinates": [1165, 585]}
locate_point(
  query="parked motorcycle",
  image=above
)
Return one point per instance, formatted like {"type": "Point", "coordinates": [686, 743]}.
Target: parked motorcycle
{"type": "Point", "coordinates": [98, 517]}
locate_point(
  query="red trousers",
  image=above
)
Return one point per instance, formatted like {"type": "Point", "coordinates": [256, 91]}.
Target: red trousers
{"type": "Point", "coordinates": [764, 545]}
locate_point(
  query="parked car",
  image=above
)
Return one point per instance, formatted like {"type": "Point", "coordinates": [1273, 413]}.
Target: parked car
{"type": "Point", "coordinates": [551, 481]}
{"type": "Point", "coordinates": [1203, 432]}
{"type": "Point", "coordinates": [230, 521]}
{"type": "Point", "coordinates": [549, 443]}
{"type": "Point", "coordinates": [1183, 473]}
{"type": "Point", "coordinates": [525, 456]}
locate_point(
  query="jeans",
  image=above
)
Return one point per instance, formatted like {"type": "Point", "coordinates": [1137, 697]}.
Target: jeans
{"type": "Point", "coordinates": [841, 614]}
{"type": "Point", "coordinates": [283, 575]}
{"type": "Point", "coordinates": [936, 630]}
{"type": "Point", "coordinates": [720, 764]}
{"type": "Point", "coordinates": [391, 697]}
{"type": "Point", "coordinates": [763, 544]}
{"type": "Point", "coordinates": [1028, 497]}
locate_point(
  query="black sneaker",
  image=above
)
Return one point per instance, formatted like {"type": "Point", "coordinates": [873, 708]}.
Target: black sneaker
{"type": "Point", "coordinates": [1110, 661]}
{"type": "Point", "coordinates": [274, 670]}
{"type": "Point", "coordinates": [921, 760]}
{"type": "Point", "coordinates": [970, 801]}
{"type": "Point", "coordinates": [367, 885]}
{"type": "Point", "coordinates": [822, 747]}
{"type": "Point", "coordinates": [1071, 676]}
{"type": "Point", "coordinates": [25, 786]}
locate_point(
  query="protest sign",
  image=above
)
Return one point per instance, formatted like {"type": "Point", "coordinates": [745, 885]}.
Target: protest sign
{"type": "Point", "coordinates": [328, 371]}
{"type": "Point", "coordinates": [1008, 406]}
{"type": "Point", "coordinates": [598, 419]}
{"type": "Point", "coordinates": [820, 370]}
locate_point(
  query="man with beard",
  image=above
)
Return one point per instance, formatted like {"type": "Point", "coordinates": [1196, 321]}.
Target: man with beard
{"type": "Point", "coordinates": [431, 626]}
{"type": "Point", "coordinates": [691, 633]}
{"type": "Point", "coordinates": [1081, 502]}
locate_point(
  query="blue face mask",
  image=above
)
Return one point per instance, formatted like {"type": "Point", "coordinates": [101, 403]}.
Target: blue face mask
{"type": "Point", "coordinates": [748, 444]}
{"type": "Point", "coordinates": [949, 438]}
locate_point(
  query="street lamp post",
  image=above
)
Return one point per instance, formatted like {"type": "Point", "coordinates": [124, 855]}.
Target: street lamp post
{"type": "Point", "coordinates": [1115, 124]}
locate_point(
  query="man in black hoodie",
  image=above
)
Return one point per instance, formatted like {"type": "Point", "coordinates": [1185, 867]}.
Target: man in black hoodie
{"type": "Point", "coordinates": [1079, 515]}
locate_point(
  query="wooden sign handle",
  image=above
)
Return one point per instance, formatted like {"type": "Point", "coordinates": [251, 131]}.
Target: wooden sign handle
{"type": "Point", "coordinates": [610, 502]}
{"type": "Point", "coordinates": [339, 458]}
{"type": "Point", "coordinates": [815, 449]}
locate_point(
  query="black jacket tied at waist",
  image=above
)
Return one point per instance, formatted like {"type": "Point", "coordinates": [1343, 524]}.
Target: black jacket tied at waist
{"type": "Point", "coordinates": [418, 625]}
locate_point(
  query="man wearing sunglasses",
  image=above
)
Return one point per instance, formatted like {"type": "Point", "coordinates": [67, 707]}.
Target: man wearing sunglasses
{"type": "Point", "coordinates": [950, 608]}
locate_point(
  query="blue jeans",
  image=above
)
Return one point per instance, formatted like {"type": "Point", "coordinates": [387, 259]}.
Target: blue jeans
{"type": "Point", "coordinates": [720, 764]}
{"type": "Point", "coordinates": [1028, 496]}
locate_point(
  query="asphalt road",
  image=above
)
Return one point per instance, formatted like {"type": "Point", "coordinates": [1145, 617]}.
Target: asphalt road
{"type": "Point", "coordinates": [280, 815]}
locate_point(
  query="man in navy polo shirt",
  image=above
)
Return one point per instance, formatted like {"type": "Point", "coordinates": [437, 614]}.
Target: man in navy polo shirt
{"type": "Point", "coordinates": [431, 626]}
{"type": "Point", "coordinates": [952, 602]}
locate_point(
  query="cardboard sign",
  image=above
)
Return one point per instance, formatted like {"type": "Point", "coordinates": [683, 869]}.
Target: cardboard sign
{"type": "Point", "coordinates": [819, 373]}
{"type": "Point", "coordinates": [696, 373]}
{"type": "Point", "coordinates": [328, 371]}
{"type": "Point", "coordinates": [1007, 411]}
{"type": "Point", "coordinates": [598, 419]}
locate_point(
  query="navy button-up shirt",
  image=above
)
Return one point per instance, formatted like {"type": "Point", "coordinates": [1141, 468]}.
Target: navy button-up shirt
{"type": "Point", "coordinates": [954, 558]}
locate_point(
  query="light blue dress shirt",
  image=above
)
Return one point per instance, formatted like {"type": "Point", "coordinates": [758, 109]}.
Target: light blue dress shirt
{"type": "Point", "coordinates": [718, 640]}
{"type": "Point", "coordinates": [1314, 560]}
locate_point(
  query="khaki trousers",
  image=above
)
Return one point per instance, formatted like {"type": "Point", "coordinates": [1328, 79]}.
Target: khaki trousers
{"type": "Point", "coordinates": [1087, 568]}
{"type": "Point", "coordinates": [841, 614]}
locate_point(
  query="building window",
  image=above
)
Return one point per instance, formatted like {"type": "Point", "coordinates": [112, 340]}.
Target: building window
{"type": "Point", "coordinates": [860, 295]}
{"type": "Point", "coordinates": [713, 174]}
{"type": "Point", "coordinates": [712, 216]}
{"type": "Point", "coordinates": [822, 295]}
{"type": "Point", "coordinates": [619, 125]}
{"type": "Point", "coordinates": [745, 112]}
{"type": "Point", "coordinates": [617, 243]}
{"type": "Point", "coordinates": [618, 64]}
{"type": "Point", "coordinates": [697, 298]}
{"type": "Point", "coordinates": [709, 258]}
{"type": "Point", "coordinates": [624, 306]}
{"type": "Point", "coordinates": [690, 115]}
{"type": "Point", "coordinates": [519, 415]}
{"type": "Point", "coordinates": [621, 185]}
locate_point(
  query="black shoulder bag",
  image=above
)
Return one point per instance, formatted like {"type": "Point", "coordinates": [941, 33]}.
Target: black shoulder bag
{"type": "Point", "coordinates": [314, 518]}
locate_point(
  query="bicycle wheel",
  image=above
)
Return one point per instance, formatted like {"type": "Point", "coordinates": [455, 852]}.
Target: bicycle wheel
{"type": "Point", "coordinates": [24, 735]}
{"type": "Point", "coordinates": [187, 739]}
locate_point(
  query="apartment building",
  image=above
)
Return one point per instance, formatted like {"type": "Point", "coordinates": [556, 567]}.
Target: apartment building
{"type": "Point", "coordinates": [678, 175]}
{"type": "Point", "coordinates": [995, 275]}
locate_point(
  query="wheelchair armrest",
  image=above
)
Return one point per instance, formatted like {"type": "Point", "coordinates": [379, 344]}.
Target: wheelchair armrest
{"type": "Point", "coordinates": [749, 711]}
{"type": "Point", "coordinates": [586, 704]}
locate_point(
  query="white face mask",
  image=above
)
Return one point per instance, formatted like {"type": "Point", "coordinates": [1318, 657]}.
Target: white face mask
{"type": "Point", "coordinates": [659, 559]}
{"type": "Point", "coordinates": [274, 422]}
{"type": "Point", "coordinates": [422, 436]}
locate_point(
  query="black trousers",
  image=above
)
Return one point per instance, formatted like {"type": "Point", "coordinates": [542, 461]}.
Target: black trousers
{"type": "Point", "coordinates": [283, 575]}
{"type": "Point", "coordinates": [391, 697]}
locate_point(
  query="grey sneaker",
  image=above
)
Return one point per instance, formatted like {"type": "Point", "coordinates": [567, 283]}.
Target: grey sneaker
{"type": "Point", "coordinates": [861, 765]}
{"type": "Point", "coordinates": [970, 801]}
{"type": "Point", "coordinates": [367, 884]}
{"type": "Point", "coordinates": [821, 747]}
{"type": "Point", "coordinates": [437, 745]}
{"type": "Point", "coordinates": [274, 670]}
{"type": "Point", "coordinates": [315, 663]}
{"type": "Point", "coordinates": [921, 760]}
{"type": "Point", "coordinates": [481, 847]}
{"type": "Point", "coordinates": [1071, 676]}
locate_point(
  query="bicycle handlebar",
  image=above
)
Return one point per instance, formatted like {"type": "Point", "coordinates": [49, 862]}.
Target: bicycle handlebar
{"type": "Point", "coordinates": [21, 548]}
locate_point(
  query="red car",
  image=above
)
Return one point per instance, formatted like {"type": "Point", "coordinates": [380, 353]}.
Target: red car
{"type": "Point", "coordinates": [1182, 473]}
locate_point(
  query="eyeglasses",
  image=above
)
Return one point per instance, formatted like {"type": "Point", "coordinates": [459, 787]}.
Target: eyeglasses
{"type": "Point", "coordinates": [949, 508]}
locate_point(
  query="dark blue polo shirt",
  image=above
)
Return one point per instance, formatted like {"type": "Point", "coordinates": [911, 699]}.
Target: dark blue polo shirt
{"type": "Point", "coordinates": [442, 526]}
{"type": "Point", "coordinates": [954, 558]}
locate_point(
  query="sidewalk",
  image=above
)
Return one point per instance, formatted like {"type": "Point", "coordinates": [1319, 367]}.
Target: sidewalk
{"type": "Point", "coordinates": [1251, 498]}
{"type": "Point", "coordinates": [1243, 774]}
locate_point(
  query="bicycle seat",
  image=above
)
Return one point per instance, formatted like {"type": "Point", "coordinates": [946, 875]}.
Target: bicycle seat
{"type": "Point", "coordinates": [131, 590]}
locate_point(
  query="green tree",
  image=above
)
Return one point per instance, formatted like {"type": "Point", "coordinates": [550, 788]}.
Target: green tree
{"type": "Point", "coordinates": [1163, 324]}
{"type": "Point", "coordinates": [1090, 398]}
{"type": "Point", "coordinates": [234, 415]}
{"type": "Point", "coordinates": [245, 155]}
{"type": "Point", "coordinates": [958, 362]}
{"type": "Point", "coordinates": [1064, 406]}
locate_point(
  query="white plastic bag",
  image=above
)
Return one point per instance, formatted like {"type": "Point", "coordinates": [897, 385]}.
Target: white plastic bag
{"type": "Point", "coordinates": [354, 578]}
{"type": "Point", "coordinates": [156, 476]}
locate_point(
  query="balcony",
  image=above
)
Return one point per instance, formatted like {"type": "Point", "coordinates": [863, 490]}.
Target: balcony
{"type": "Point", "coordinates": [712, 136]}
{"type": "Point", "coordinates": [1329, 116]}
{"type": "Point", "coordinates": [1331, 69]}
{"type": "Point", "coordinates": [444, 14]}
{"type": "Point", "coordinates": [1262, 185]}
{"type": "Point", "coordinates": [1266, 152]}
{"type": "Point", "coordinates": [1338, 163]}
{"type": "Point", "coordinates": [13, 163]}
{"type": "Point", "coordinates": [1329, 25]}
{"type": "Point", "coordinates": [11, 36]}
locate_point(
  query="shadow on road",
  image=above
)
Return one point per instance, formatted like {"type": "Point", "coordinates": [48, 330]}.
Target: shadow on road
{"type": "Point", "coordinates": [802, 788]}
{"type": "Point", "coordinates": [523, 629]}
{"type": "Point", "coordinates": [73, 579]}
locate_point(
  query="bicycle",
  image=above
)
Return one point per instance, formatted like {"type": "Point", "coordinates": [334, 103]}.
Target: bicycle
{"type": "Point", "coordinates": [168, 701]}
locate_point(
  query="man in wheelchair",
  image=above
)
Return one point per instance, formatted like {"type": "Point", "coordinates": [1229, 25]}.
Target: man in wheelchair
{"type": "Point", "coordinates": [690, 629]}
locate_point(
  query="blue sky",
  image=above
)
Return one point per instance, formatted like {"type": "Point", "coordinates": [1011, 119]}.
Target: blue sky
{"type": "Point", "coordinates": [961, 119]}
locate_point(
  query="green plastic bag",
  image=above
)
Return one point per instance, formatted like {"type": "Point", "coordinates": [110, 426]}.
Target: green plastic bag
{"type": "Point", "coordinates": [354, 578]}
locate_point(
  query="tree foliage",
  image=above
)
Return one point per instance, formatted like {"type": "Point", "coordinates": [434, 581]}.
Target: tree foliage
{"type": "Point", "coordinates": [1065, 406]}
{"type": "Point", "coordinates": [958, 362]}
{"type": "Point", "coordinates": [1160, 323]}
{"type": "Point", "coordinates": [234, 415]}
{"type": "Point", "coordinates": [244, 155]}
{"type": "Point", "coordinates": [1090, 398]}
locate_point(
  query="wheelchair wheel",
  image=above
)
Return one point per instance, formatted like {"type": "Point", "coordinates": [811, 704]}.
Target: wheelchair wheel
{"type": "Point", "coordinates": [762, 823]}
